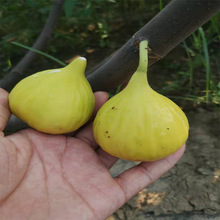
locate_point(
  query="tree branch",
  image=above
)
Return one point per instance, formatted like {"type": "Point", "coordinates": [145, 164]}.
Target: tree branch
{"type": "Point", "coordinates": [178, 20]}
{"type": "Point", "coordinates": [18, 72]}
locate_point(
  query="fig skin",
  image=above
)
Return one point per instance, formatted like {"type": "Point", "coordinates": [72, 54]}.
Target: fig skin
{"type": "Point", "coordinates": [54, 101]}
{"type": "Point", "coordinates": [139, 124]}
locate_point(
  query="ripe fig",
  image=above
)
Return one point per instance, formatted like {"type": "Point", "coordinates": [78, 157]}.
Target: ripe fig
{"type": "Point", "coordinates": [54, 101]}
{"type": "Point", "coordinates": [139, 124]}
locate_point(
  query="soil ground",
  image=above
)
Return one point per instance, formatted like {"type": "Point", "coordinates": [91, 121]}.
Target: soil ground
{"type": "Point", "coordinates": [191, 190]}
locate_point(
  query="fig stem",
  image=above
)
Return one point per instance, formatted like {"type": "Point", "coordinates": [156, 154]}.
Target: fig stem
{"type": "Point", "coordinates": [140, 76]}
{"type": "Point", "coordinates": [143, 56]}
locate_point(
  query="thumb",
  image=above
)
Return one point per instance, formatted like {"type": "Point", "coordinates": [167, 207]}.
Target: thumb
{"type": "Point", "coordinates": [4, 110]}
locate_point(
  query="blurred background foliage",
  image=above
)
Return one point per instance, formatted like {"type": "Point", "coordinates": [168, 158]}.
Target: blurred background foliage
{"type": "Point", "coordinates": [190, 73]}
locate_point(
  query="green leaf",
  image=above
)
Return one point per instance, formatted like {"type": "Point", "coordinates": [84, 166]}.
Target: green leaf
{"type": "Point", "coordinates": [45, 10]}
{"type": "Point", "coordinates": [39, 52]}
{"type": "Point", "coordinates": [68, 7]}
{"type": "Point", "coordinates": [32, 3]}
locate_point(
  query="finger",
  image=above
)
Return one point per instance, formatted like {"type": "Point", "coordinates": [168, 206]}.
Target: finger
{"type": "Point", "coordinates": [137, 178]}
{"type": "Point", "coordinates": [107, 159]}
{"type": "Point", "coordinates": [4, 110]}
{"type": "Point", "coordinates": [100, 99]}
{"type": "Point", "coordinates": [86, 133]}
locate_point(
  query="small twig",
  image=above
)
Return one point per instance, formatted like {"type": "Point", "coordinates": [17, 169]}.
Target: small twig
{"type": "Point", "coordinates": [18, 72]}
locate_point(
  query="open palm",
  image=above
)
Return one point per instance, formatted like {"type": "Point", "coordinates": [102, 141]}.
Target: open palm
{"type": "Point", "coordinates": [65, 177]}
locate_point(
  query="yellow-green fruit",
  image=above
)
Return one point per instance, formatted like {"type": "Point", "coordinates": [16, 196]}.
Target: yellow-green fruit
{"type": "Point", "coordinates": [54, 101]}
{"type": "Point", "coordinates": [138, 123]}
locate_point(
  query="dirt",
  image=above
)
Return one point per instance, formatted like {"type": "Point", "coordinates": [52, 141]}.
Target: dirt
{"type": "Point", "coordinates": [191, 190]}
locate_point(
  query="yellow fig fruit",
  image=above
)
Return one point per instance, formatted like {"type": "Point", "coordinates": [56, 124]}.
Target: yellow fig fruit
{"type": "Point", "coordinates": [139, 124]}
{"type": "Point", "coordinates": [54, 101]}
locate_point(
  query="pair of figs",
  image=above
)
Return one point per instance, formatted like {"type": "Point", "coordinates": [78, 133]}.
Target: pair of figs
{"type": "Point", "coordinates": [136, 124]}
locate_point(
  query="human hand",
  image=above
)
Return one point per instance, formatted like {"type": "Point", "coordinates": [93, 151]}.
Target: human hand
{"type": "Point", "coordinates": [46, 176]}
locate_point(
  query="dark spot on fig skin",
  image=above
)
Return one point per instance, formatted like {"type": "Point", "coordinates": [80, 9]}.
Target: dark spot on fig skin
{"type": "Point", "coordinates": [106, 132]}
{"type": "Point", "coordinates": [113, 107]}
{"type": "Point", "coordinates": [108, 136]}
{"type": "Point", "coordinates": [168, 128]}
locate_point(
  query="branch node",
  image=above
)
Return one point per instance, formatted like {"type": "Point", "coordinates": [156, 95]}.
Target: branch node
{"type": "Point", "coordinates": [135, 44]}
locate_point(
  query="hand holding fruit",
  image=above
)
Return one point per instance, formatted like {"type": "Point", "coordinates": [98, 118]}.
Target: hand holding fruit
{"type": "Point", "coordinates": [137, 124]}
{"type": "Point", "coordinates": [47, 176]}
